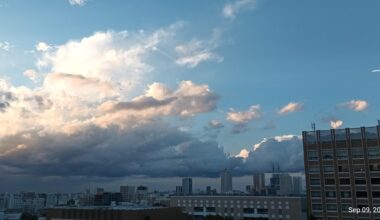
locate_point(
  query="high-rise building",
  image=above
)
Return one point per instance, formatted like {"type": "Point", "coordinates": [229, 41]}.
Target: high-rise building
{"type": "Point", "coordinates": [225, 181]}
{"type": "Point", "coordinates": [187, 186]}
{"type": "Point", "coordinates": [127, 193]}
{"type": "Point", "coordinates": [259, 183]}
{"type": "Point", "coordinates": [342, 168]}
{"type": "Point", "coordinates": [286, 186]}
{"type": "Point", "coordinates": [178, 190]}
{"type": "Point", "coordinates": [297, 185]}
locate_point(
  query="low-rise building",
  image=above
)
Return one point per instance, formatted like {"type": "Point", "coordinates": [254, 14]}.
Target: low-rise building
{"type": "Point", "coordinates": [242, 207]}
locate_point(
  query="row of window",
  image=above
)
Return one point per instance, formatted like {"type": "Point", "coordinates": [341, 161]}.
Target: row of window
{"type": "Point", "coordinates": [342, 154]}
{"type": "Point", "coordinates": [344, 168]}
{"type": "Point", "coordinates": [344, 181]}
{"type": "Point", "coordinates": [245, 210]}
{"type": "Point", "coordinates": [345, 194]}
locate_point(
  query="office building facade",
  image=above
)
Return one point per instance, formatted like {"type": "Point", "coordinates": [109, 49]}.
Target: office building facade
{"type": "Point", "coordinates": [241, 207]}
{"type": "Point", "coordinates": [225, 181]}
{"type": "Point", "coordinates": [342, 168]}
{"type": "Point", "coordinates": [187, 186]}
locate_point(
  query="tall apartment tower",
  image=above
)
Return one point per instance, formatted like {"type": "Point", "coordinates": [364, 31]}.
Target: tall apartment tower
{"type": "Point", "coordinates": [128, 193]}
{"type": "Point", "coordinates": [225, 181]}
{"type": "Point", "coordinates": [342, 168]}
{"type": "Point", "coordinates": [187, 186]}
{"type": "Point", "coordinates": [259, 183]}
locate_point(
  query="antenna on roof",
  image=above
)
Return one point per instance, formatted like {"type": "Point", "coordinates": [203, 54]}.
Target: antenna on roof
{"type": "Point", "coordinates": [313, 126]}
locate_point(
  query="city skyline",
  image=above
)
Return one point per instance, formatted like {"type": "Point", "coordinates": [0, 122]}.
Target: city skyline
{"type": "Point", "coordinates": [135, 91]}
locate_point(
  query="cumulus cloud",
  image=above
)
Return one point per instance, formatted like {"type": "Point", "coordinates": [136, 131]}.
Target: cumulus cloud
{"type": "Point", "coordinates": [196, 51]}
{"type": "Point", "coordinates": [291, 107]}
{"type": "Point", "coordinates": [336, 124]}
{"type": "Point", "coordinates": [356, 105]}
{"type": "Point", "coordinates": [242, 117]}
{"type": "Point", "coordinates": [42, 46]}
{"type": "Point", "coordinates": [231, 10]}
{"type": "Point", "coordinates": [77, 2]}
{"type": "Point", "coordinates": [31, 74]}
{"type": "Point", "coordinates": [285, 150]}
{"type": "Point", "coordinates": [215, 124]}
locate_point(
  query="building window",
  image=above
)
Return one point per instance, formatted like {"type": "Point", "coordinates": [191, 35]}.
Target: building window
{"type": "Point", "coordinates": [210, 209]}
{"type": "Point", "coordinates": [262, 211]}
{"type": "Point", "coordinates": [374, 167]}
{"type": "Point", "coordinates": [313, 155]}
{"type": "Point", "coordinates": [360, 181]}
{"type": "Point", "coordinates": [316, 207]}
{"type": "Point", "coordinates": [328, 169]}
{"type": "Point", "coordinates": [198, 209]}
{"type": "Point", "coordinates": [248, 210]}
{"type": "Point", "coordinates": [345, 181]}
{"type": "Point", "coordinates": [375, 181]}
{"type": "Point", "coordinates": [373, 152]}
{"type": "Point", "coordinates": [315, 193]}
{"type": "Point", "coordinates": [331, 207]}
{"type": "Point", "coordinates": [327, 154]}
{"type": "Point", "coordinates": [345, 207]}
{"type": "Point", "coordinates": [315, 182]}
{"type": "Point", "coordinates": [357, 153]}
{"type": "Point", "coordinates": [329, 181]}
{"type": "Point", "coordinates": [358, 168]}
{"type": "Point", "coordinates": [345, 194]}
{"type": "Point", "coordinates": [376, 194]}
{"type": "Point", "coordinates": [331, 194]}
{"type": "Point", "coordinates": [314, 169]}
{"type": "Point", "coordinates": [342, 154]}
{"type": "Point", "coordinates": [343, 168]}
{"type": "Point", "coordinates": [361, 194]}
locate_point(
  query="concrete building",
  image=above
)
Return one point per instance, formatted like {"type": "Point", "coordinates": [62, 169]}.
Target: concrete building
{"type": "Point", "coordinates": [225, 181]}
{"type": "Point", "coordinates": [178, 190]}
{"type": "Point", "coordinates": [115, 213]}
{"type": "Point", "coordinates": [242, 207]}
{"type": "Point", "coordinates": [127, 193]}
{"type": "Point", "coordinates": [342, 168]}
{"type": "Point", "coordinates": [297, 185]}
{"type": "Point", "coordinates": [286, 186]}
{"type": "Point", "coordinates": [259, 183]}
{"type": "Point", "coordinates": [142, 195]}
{"type": "Point", "coordinates": [187, 186]}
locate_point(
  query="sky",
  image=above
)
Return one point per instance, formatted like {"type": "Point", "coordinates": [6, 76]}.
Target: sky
{"type": "Point", "coordinates": [121, 92]}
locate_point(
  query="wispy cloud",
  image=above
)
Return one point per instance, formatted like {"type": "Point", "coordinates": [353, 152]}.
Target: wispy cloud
{"type": "Point", "coordinates": [77, 2]}
{"type": "Point", "coordinates": [375, 71]}
{"type": "Point", "coordinates": [291, 107]}
{"type": "Point", "coordinates": [231, 10]}
{"type": "Point", "coordinates": [356, 105]}
{"type": "Point", "coordinates": [196, 51]}
{"type": "Point", "coordinates": [240, 119]}
{"type": "Point", "coordinates": [5, 45]}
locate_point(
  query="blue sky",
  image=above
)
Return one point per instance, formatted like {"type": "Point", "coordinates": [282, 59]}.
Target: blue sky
{"type": "Point", "coordinates": [258, 68]}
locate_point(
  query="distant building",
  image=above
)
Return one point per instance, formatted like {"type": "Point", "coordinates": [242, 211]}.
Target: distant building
{"type": "Point", "coordinates": [127, 193]}
{"type": "Point", "coordinates": [297, 185]}
{"type": "Point", "coordinates": [187, 186]}
{"type": "Point", "coordinates": [142, 195]}
{"type": "Point", "coordinates": [286, 186]}
{"type": "Point", "coordinates": [106, 198]}
{"type": "Point", "coordinates": [342, 168]}
{"type": "Point", "coordinates": [242, 207]}
{"type": "Point", "coordinates": [115, 213]}
{"type": "Point", "coordinates": [225, 181]}
{"type": "Point", "coordinates": [178, 190]}
{"type": "Point", "coordinates": [259, 184]}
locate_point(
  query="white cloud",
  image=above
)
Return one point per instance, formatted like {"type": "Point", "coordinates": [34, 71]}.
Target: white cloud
{"type": "Point", "coordinates": [291, 107]}
{"type": "Point", "coordinates": [375, 71]}
{"type": "Point", "coordinates": [196, 51]}
{"type": "Point", "coordinates": [77, 2]}
{"type": "Point", "coordinates": [31, 74]}
{"type": "Point", "coordinates": [5, 45]}
{"type": "Point", "coordinates": [244, 153]}
{"type": "Point", "coordinates": [336, 124]}
{"type": "Point", "coordinates": [242, 117]}
{"type": "Point", "coordinates": [42, 46]}
{"type": "Point", "coordinates": [356, 105]}
{"type": "Point", "coordinates": [231, 10]}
